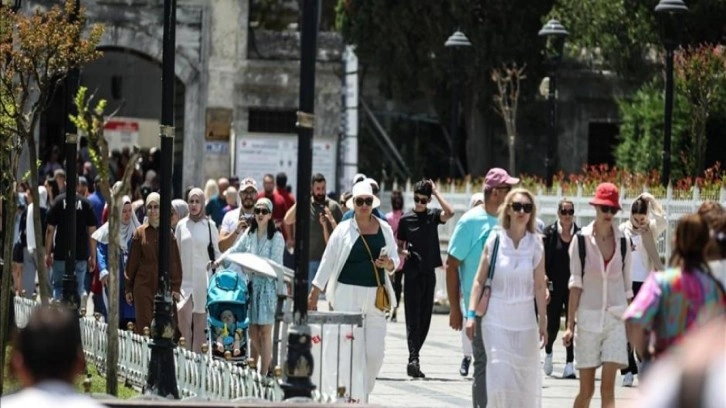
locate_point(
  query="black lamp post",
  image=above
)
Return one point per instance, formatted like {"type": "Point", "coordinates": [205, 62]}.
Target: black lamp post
{"type": "Point", "coordinates": [457, 42]}
{"type": "Point", "coordinates": [555, 33]}
{"type": "Point", "coordinates": [668, 10]}
{"type": "Point", "coordinates": [161, 378]}
{"type": "Point", "coordinates": [299, 365]}
{"type": "Point", "coordinates": [71, 297]}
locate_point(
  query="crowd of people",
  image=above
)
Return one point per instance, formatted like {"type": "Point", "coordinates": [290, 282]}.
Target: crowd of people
{"type": "Point", "coordinates": [509, 277]}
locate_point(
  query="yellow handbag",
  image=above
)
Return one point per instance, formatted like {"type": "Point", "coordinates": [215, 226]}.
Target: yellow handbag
{"type": "Point", "coordinates": [383, 302]}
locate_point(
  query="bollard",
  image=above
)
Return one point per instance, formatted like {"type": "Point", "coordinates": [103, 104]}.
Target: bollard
{"type": "Point", "coordinates": [87, 384]}
{"type": "Point", "coordinates": [182, 342]}
{"type": "Point", "coordinates": [227, 355]}
{"type": "Point", "coordinates": [205, 347]}
{"type": "Point", "coordinates": [252, 364]}
{"type": "Point", "coordinates": [97, 316]}
{"type": "Point", "coordinates": [146, 331]}
{"type": "Point", "coordinates": [130, 326]}
{"type": "Point", "coordinates": [278, 371]}
{"type": "Point", "coordinates": [83, 312]}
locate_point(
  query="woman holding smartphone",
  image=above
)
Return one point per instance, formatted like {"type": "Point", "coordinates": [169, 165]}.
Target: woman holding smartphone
{"type": "Point", "coordinates": [351, 270]}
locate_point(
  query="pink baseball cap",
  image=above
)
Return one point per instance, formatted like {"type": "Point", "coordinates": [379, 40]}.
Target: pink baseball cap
{"type": "Point", "coordinates": [498, 177]}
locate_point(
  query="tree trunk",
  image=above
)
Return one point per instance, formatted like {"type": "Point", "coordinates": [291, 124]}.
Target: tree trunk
{"type": "Point", "coordinates": [113, 295]}
{"type": "Point", "coordinates": [5, 289]}
{"type": "Point", "coordinates": [512, 158]}
{"type": "Point", "coordinates": [43, 280]}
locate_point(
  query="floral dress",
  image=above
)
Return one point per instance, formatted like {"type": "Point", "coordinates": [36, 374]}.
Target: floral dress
{"type": "Point", "coordinates": [263, 299]}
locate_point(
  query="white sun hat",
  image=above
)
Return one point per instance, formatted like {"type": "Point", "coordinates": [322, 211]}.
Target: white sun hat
{"type": "Point", "coordinates": [362, 189]}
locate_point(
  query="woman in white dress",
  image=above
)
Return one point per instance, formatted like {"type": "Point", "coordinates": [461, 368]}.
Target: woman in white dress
{"type": "Point", "coordinates": [512, 333]}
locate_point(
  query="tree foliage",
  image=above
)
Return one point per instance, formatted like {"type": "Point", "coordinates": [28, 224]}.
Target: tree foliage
{"type": "Point", "coordinates": [91, 121]}
{"type": "Point", "coordinates": [36, 53]}
{"type": "Point", "coordinates": [700, 73]}
{"type": "Point", "coordinates": [640, 144]}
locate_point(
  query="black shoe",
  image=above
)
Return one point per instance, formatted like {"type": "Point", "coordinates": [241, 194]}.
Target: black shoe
{"type": "Point", "coordinates": [393, 316]}
{"type": "Point", "coordinates": [464, 369]}
{"type": "Point", "coordinates": [413, 370]}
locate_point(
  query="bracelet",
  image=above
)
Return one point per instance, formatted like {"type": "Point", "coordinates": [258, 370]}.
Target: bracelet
{"type": "Point", "coordinates": [470, 314]}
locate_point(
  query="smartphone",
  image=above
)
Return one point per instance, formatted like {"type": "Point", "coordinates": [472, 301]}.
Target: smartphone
{"type": "Point", "coordinates": [384, 252]}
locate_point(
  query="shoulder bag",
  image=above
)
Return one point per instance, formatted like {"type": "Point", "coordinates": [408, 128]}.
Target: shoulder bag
{"type": "Point", "coordinates": [483, 304]}
{"type": "Point", "coordinates": [383, 303]}
{"type": "Point", "coordinates": [210, 246]}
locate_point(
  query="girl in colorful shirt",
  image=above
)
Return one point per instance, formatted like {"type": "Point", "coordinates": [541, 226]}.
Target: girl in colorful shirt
{"type": "Point", "coordinates": [685, 296]}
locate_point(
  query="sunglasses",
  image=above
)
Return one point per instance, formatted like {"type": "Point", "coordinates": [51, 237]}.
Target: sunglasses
{"type": "Point", "coordinates": [519, 207]}
{"type": "Point", "coordinates": [608, 209]}
{"type": "Point", "coordinates": [263, 211]}
{"type": "Point", "coordinates": [567, 212]}
{"type": "Point", "coordinates": [359, 202]}
{"type": "Point", "coordinates": [421, 200]}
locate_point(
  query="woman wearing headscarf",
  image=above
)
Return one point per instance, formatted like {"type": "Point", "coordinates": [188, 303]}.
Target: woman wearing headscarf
{"type": "Point", "coordinates": [179, 210]}
{"type": "Point", "coordinates": [142, 269]}
{"type": "Point", "coordinates": [647, 222]}
{"type": "Point", "coordinates": [351, 270]}
{"type": "Point", "coordinates": [198, 240]}
{"type": "Point", "coordinates": [263, 239]}
{"type": "Point", "coordinates": [127, 227]}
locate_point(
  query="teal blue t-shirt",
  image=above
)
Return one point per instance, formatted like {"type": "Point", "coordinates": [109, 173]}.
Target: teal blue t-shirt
{"type": "Point", "coordinates": [467, 243]}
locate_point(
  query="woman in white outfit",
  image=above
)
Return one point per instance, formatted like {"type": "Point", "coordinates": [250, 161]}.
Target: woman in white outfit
{"type": "Point", "coordinates": [194, 235]}
{"type": "Point", "coordinates": [647, 222]}
{"type": "Point", "coordinates": [512, 333]}
{"type": "Point", "coordinates": [347, 269]}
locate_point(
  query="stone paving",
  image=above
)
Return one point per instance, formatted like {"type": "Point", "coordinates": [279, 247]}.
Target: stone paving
{"type": "Point", "coordinates": [444, 387]}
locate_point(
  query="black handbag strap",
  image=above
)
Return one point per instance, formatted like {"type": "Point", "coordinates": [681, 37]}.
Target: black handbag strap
{"type": "Point", "coordinates": [493, 259]}
{"type": "Point", "coordinates": [210, 246]}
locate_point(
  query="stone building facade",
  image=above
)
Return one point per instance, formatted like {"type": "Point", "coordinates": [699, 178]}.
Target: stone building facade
{"type": "Point", "coordinates": [220, 77]}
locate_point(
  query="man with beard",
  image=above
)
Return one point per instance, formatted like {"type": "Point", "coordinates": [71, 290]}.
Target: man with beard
{"type": "Point", "coordinates": [235, 222]}
{"type": "Point", "coordinates": [319, 206]}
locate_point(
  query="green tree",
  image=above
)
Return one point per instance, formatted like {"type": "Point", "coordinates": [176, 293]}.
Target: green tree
{"type": "Point", "coordinates": [700, 73]}
{"type": "Point", "coordinates": [91, 122]}
{"type": "Point", "coordinates": [640, 144]}
{"type": "Point", "coordinates": [36, 53]}
{"type": "Point", "coordinates": [402, 42]}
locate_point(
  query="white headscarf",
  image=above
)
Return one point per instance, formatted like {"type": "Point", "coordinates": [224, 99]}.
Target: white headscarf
{"type": "Point", "coordinates": [29, 222]}
{"type": "Point", "coordinates": [126, 230]}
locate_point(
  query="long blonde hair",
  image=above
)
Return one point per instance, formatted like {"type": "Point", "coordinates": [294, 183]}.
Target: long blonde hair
{"type": "Point", "coordinates": [211, 190]}
{"type": "Point", "coordinates": [506, 221]}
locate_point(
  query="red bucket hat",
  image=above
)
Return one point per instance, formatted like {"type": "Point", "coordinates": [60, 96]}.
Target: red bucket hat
{"type": "Point", "coordinates": [606, 194]}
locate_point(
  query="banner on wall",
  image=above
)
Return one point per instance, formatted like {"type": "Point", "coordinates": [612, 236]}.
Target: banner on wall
{"type": "Point", "coordinates": [257, 154]}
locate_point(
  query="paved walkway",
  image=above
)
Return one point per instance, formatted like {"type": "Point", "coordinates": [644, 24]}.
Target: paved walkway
{"type": "Point", "coordinates": [444, 387]}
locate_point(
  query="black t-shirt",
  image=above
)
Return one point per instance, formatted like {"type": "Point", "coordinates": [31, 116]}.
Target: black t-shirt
{"type": "Point", "coordinates": [557, 257]}
{"type": "Point", "coordinates": [421, 232]}
{"type": "Point", "coordinates": [85, 218]}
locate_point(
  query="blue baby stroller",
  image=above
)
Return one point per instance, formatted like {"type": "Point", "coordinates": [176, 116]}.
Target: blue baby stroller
{"type": "Point", "coordinates": [227, 303]}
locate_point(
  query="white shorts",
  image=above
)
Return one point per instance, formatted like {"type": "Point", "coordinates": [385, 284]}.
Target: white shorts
{"type": "Point", "coordinates": [592, 349]}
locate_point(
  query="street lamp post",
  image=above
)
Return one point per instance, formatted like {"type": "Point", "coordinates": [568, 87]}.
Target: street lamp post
{"type": "Point", "coordinates": [457, 42]}
{"type": "Point", "coordinates": [71, 295]}
{"type": "Point", "coordinates": [669, 10]}
{"type": "Point", "coordinates": [554, 32]}
{"type": "Point", "coordinates": [299, 365]}
{"type": "Point", "coordinates": [161, 378]}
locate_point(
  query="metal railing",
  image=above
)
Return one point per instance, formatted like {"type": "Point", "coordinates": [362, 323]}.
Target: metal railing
{"type": "Point", "coordinates": [197, 375]}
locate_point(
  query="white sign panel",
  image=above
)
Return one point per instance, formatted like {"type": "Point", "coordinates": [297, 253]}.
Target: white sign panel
{"type": "Point", "coordinates": [258, 154]}
{"type": "Point", "coordinates": [121, 133]}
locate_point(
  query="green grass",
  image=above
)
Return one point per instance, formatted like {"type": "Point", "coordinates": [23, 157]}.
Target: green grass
{"type": "Point", "coordinates": [98, 383]}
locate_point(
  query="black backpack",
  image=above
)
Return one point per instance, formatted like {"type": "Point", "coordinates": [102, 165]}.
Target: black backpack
{"type": "Point", "coordinates": [581, 250]}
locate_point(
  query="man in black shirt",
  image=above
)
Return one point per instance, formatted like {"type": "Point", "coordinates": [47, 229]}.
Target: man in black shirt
{"type": "Point", "coordinates": [56, 238]}
{"type": "Point", "coordinates": [418, 239]}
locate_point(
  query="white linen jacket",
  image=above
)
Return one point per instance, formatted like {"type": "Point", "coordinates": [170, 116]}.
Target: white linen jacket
{"type": "Point", "coordinates": [193, 239]}
{"type": "Point", "coordinates": [336, 254]}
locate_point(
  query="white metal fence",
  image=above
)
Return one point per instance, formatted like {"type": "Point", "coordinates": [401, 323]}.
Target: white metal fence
{"type": "Point", "coordinates": [197, 375]}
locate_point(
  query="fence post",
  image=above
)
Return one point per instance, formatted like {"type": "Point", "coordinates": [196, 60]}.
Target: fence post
{"type": "Point", "coordinates": [696, 193]}
{"type": "Point", "coordinates": [722, 198]}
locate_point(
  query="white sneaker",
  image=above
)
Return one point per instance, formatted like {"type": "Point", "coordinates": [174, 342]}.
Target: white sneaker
{"type": "Point", "coordinates": [628, 380]}
{"type": "Point", "coordinates": [569, 371]}
{"type": "Point", "coordinates": [548, 364]}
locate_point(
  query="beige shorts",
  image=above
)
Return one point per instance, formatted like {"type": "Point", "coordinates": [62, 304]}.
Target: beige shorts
{"type": "Point", "coordinates": [592, 349]}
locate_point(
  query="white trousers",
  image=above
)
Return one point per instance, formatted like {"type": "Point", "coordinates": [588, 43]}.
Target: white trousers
{"type": "Point", "coordinates": [465, 342]}
{"type": "Point", "coordinates": [369, 341]}
{"type": "Point", "coordinates": [192, 326]}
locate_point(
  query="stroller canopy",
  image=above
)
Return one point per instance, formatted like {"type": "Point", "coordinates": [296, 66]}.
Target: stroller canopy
{"type": "Point", "coordinates": [227, 291]}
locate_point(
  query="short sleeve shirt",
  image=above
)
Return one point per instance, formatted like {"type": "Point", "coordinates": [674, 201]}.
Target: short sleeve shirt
{"type": "Point", "coordinates": [85, 218]}
{"type": "Point", "coordinates": [420, 231]}
{"type": "Point", "coordinates": [467, 243]}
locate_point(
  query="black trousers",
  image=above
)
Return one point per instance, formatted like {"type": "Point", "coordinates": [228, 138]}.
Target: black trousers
{"type": "Point", "coordinates": [632, 365]}
{"type": "Point", "coordinates": [398, 285]}
{"type": "Point", "coordinates": [419, 300]}
{"type": "Point", "coordinates": [559, 300]}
